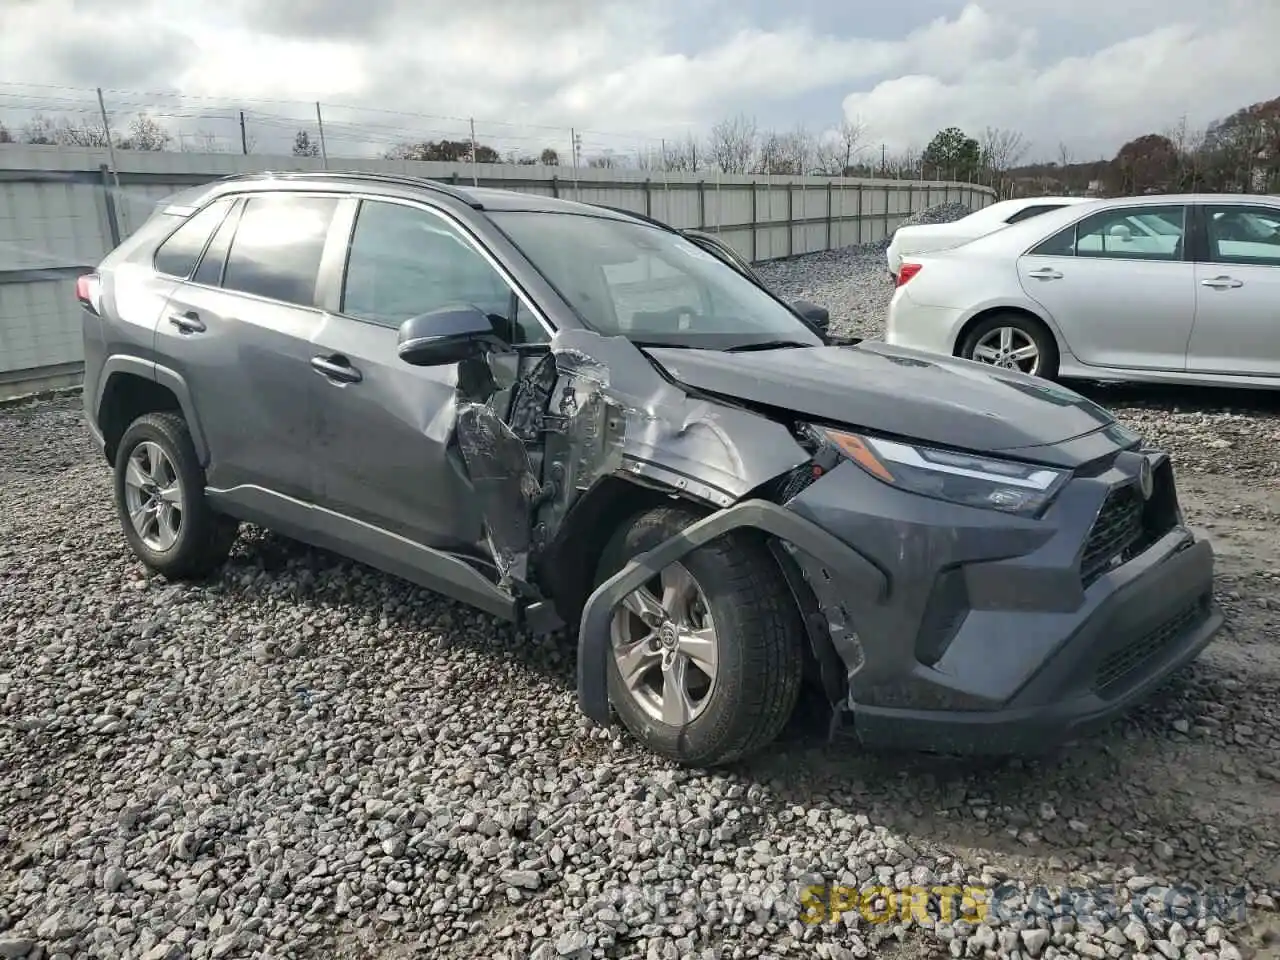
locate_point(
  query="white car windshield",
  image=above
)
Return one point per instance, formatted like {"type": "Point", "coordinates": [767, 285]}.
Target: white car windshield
{"type": "Point", "coordinates": [650, 285]}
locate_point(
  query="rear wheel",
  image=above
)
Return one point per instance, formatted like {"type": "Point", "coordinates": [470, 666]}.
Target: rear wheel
{"type": "Point", "coordinates": [1013, 341]}
{"type": "Point", "coordinates": [707, 656]}
{"type": "Point", "coordinates": [159, 488]}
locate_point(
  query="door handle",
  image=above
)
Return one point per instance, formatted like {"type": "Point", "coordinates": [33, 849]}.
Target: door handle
{"type": "Point", "coordinates": [1222, 283]}
{"type": "Point", "coordinates": [337, 368]}
{"type": "Point", "coordinates": [188, 322]}
{"type": "Point", "coordinates": [1045, 273]}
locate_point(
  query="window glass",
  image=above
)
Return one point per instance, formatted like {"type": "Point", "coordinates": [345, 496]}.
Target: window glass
{"type": "Point", "coordinates": [177, 256]}
{"type": "Point", "coordinates": [634, 280]}
{"type": "Point", "coordinates": [1126, 233]}
{"type": "Point", "coordinates": [277, 247]}
{"type": "Point", "coordinates": [1240, 234]}
{"type": "Point", "coordinates": [1026, 213]}
{"type": "Point", "coordinates": [405, 261]}
{"type": "Point", "coordinates": [215, 255]}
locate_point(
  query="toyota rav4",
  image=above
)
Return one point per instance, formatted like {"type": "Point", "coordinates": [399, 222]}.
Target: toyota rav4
{"type": "Point", "coordinates": [565, 414]}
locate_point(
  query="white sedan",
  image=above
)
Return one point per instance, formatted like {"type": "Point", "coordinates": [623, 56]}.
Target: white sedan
{"type": "Point", "coordinates": [927, 237]}
{"type": "Point", "coordinates": [1169, 289]}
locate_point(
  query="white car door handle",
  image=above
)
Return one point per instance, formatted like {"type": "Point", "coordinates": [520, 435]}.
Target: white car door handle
{"type": "Point", "coordinates": [1045, 273]}
{"type": "Point", "coordinates": [1222, 283]}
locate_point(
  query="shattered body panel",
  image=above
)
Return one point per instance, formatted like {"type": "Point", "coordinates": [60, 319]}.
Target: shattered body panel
{"type": "Point", "coordinates": [594, 407]}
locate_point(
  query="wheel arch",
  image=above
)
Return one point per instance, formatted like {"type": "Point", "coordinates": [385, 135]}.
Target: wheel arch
{"type": "Point", "coordinates": [130, 387]}
{"type": "Point", "coordinates": [1024, 309]}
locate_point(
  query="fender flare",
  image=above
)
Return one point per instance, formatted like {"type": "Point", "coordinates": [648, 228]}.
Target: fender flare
{"type": "Point", "coordinates": [173, 381]}
{"type": "Point", "coordinates": [593, 632]}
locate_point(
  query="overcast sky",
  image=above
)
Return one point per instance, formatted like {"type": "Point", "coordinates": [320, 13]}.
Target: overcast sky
{"type": "Point", "coordinates": [1090, 73]}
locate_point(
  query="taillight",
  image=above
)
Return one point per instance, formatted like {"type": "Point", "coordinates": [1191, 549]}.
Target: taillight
{"type": "Point", "coordinates": [89, 292]}
{"type": "Point", "coordinates": [905, 272]}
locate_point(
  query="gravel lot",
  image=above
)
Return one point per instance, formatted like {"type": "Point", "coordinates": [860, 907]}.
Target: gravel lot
{"type": "Point", "coordinates": [303, 757]}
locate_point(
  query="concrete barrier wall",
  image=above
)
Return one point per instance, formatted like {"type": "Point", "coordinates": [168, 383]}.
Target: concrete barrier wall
{"type": "Point", "coordinates": [62, 209]}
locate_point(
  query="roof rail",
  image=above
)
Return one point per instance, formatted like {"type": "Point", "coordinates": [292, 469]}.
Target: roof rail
{"type": "Point", "coordinates": [653, 221]}
{"type": "Point", "coordinates": [402, 179]}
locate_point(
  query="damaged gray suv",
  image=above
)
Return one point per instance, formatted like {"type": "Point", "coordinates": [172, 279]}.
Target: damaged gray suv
{"type": "Point", "coordinates": [564, 414]}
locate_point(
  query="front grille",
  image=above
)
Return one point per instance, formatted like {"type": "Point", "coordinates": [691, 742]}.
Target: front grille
{"type": "Point", "coordinates": [1117, 529]}
{"type": "Point", "coordinates": [1119, 665]}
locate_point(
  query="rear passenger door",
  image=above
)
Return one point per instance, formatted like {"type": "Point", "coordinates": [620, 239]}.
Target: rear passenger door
{"type": "Point", "coordinates": [384, 432]}
{"type": "Point", "coordinates": [1237, 328]}
{"type": "Point", "coordinates": [1119, 286]}
{"type": "Point", "coordinates": [239, 331]}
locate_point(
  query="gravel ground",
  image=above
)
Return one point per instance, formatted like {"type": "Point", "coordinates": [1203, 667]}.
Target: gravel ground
{"type": "Point", "coordinates": [303, 757]}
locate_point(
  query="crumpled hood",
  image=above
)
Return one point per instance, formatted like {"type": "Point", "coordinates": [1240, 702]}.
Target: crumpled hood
{"type": "Point", "coordinates": [898, 391]}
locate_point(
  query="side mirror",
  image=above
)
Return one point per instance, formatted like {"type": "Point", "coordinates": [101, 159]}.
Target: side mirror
{"type": "Point", "coordinates": [447, 335]}
{"type": "Point", "coordinates": [817, 317]}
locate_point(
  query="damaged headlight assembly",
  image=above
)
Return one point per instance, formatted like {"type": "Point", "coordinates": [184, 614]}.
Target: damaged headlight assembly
{"type": "Point", "coordinates": [968, 479]}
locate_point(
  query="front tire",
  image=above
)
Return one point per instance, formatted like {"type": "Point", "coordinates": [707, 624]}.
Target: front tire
{"type": "Point", "coordinates": [159, 491]}
{"type": "Point", "coordinates": [708, 657]}
{"type": "Point", "coordinates": [1013, 341]}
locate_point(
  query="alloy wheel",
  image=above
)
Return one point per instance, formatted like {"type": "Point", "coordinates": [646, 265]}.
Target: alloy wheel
{"type": "Point", "coordinates": [1010, 349]}
{"type": "Point", "coordinates": [666, 647]}
{"type": "Point", "coordinates": [153, 496]}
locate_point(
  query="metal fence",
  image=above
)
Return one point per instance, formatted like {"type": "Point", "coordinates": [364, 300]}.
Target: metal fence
{"type": "Point", "coordinates": [62, 210]}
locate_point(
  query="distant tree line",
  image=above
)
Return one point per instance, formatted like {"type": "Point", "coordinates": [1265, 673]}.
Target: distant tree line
{"type": "Point", "coordinates": [1238, 153]}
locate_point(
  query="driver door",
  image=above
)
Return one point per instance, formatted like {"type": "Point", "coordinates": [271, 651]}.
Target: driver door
{"type": "Point", "coordinates": [385, 430]}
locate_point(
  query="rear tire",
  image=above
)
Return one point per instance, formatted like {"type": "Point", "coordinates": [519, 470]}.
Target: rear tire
{"type": "Point", "coordinates": [1024, 331]}
{"type": "Point", "coordinates": [159, 491]}
{"type": "Point", "coordinates": [737, 595]}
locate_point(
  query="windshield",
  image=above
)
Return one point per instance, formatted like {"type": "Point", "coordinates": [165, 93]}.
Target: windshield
{"type": "Point", "coordinates": [629, 279]}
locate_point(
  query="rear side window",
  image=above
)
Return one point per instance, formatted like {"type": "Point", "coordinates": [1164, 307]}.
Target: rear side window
{"type": "Point", "coordinates": [277, 247]}
{"type": "Point", "coordinates": [1026, 213]}
{"type": "Point", "coordinates": [215, 255]}
{"type": "Point", "coordinates": [177, 256]}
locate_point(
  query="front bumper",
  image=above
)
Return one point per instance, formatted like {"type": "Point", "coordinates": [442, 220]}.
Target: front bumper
{"type": "Point", "coordinates": [966, 630]}
{"type": "Point", "coordinates": [1109, 657]}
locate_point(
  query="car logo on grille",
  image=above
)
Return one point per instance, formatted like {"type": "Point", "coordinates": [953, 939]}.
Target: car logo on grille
{"type": "Point", "coordinates": [1146, 479]}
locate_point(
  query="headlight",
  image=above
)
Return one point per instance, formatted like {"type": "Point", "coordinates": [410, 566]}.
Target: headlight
{"type": "Point", "coordinates": [974, 481]}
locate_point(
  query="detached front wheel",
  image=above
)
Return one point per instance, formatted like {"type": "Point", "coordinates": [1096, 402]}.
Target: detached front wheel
{"type": "Point", "coordinates": [708, 655]}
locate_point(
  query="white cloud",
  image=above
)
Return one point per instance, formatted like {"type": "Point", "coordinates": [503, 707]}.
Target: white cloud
{"type": "Point", "coordinates": [1093, 73]}
{"type": "Point", "coordinates": [1141, 83]}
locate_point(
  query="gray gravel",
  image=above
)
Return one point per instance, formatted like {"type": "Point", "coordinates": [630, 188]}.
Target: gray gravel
{"type": "Point", "coordinates": [303, 757]}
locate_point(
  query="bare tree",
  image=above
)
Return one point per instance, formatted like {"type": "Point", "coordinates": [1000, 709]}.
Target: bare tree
{"type": "Point", "coordinates": [1188, 145]}
{"type": "Point", "coordinates": [145, 133]}
{"type": "Point", "coordinates": [1001, 149]}
{"type": "Point", "coordinates": [732, 146]}
{"type": "Point", "coordinates": [772, 156]}
{"type": "Point", "coordinates": [5, 135]}
{"type": "Point", "coordinates": [801, 149]}
{"type": "Point", "coordinates": [605, 161]}
{"type": "Point", "coordinates": [1064, 155]}
{"type": "Point", "coordinates": [85, 133]}
{"type": "Point", "coordinates": [904, 165]}
{"type": "Point", "coordinates": [840, 151]}
{"type": "Point", "coordinates": [38, 130]}
{"type": "Point", "coordinates": [684, 156]}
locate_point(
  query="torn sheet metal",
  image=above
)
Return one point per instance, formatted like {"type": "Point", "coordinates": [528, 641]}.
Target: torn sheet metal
{"type": "Point", "coordinates": [505, 485]}
{"type": "Point", "coordinates": [620, 413]}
